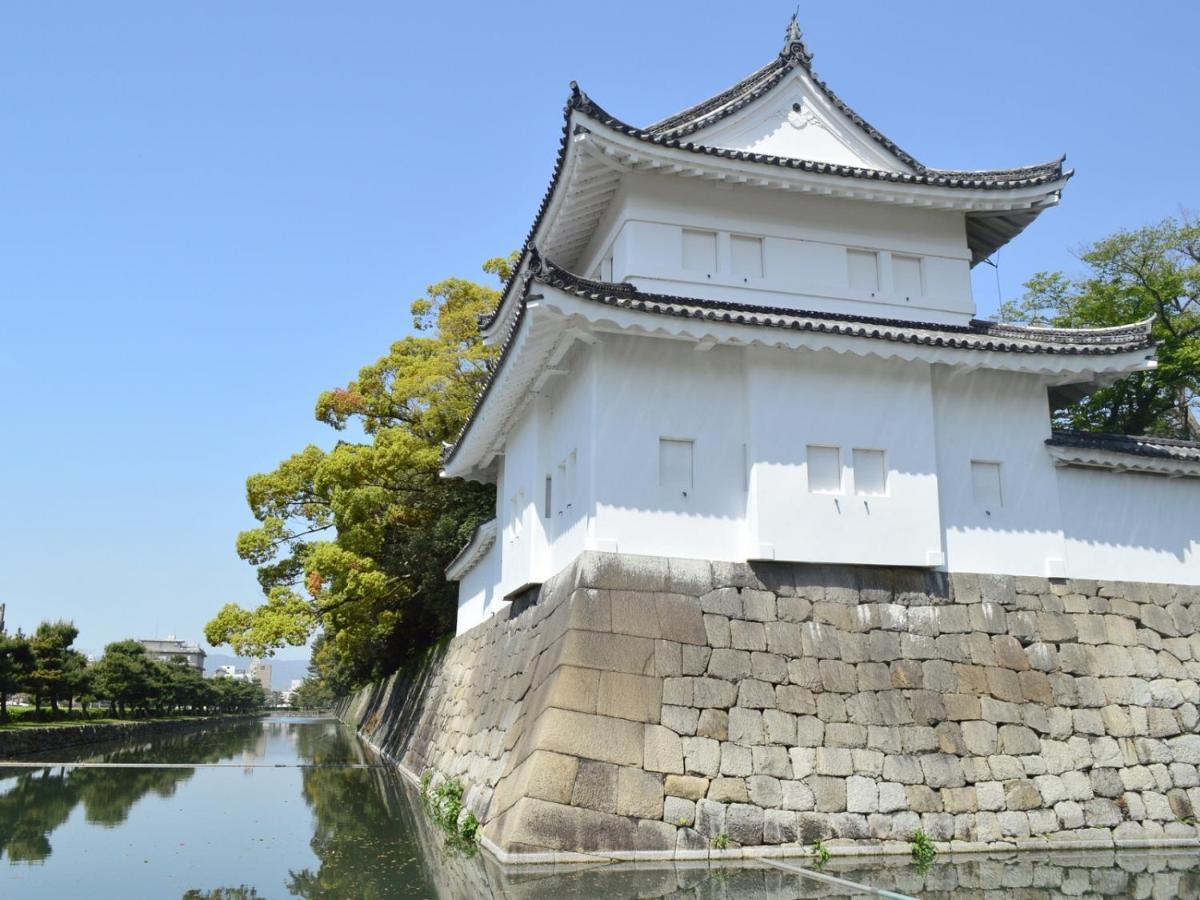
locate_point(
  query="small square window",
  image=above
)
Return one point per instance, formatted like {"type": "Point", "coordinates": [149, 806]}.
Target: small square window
{"type": "Point", "coordinates": [699, 250]}
{"type": "Point", "coordinates": [824, 470]}
{"type": "Point", "coordinates": [864, 269]}
{"type": "Point", "coordinates": [906, 275]}
{"type": "Point", "coordinates": [986, 484]}
{"type": "Point", "coordinates": [870, 473]}
{"type": "Point", "coordinates": [675, 464]}
{"type": "Point", "coordinates": [747, 256]}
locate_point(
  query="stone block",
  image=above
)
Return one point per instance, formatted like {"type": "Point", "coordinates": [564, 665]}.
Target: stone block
{"type": "Point", "coordinates": [979, 738]}
{"type": "Point", "coordinates": [725, 601]}
{"type": "Point", "coordinates": [1035, 687]}
{"type": "Point", "coordinates": [710, 818]}
{"type": "Point", "coordinates": [867, 762]}
{"type": "Point", "coordinates": [716, 629]}
{"type": "Point", "coordinates": [772, 761]}
{"type": "Point", "coordinates": [845, 734]}
{"type": "Point", "coordinates": [695, 659]}
{"type": "Point", "coordinates": [942, 770]}
{"type": "Point", "coordinates": [1070, 814]}
{"type": "Point", "coordinates": [595, 786]}
{"type": "Point", "coordinates": [922, 799]}
{"type": "Point", "coordinates": [793, 609]}
{"type": "Point", "coordinates": [795, 699]}
{"type": "Point", "coordinates": [829, 793]}
{"type": "Point", "coordinates": [779, 826]}
{"type": "Point", "coordinates": [744, 824]}
{"type": "Point", "coordinates": [746, 726]}
{"type": "Point", "coordinates": [679, 618]}
{"type": "Point", "coordinates": [961, 707]}
{"type": "Point", "coordinates": [764, 790]}
{"type": "Point", "coordinates": [713, 723]}
{"type": "Point", "coordinates": [785, 638]}
{"type": "Point", "coordinates": [634, 697]}
{"type": "Point", "coordinates": [770, 667]}
{"type": "Point", "coordinates": [907, 673]}
{"type": "Point", "coordinates": [668, 659]}
{"type": "Point", "coordinates": [1017, 740]}
{"type": "Point", "coordinates": [903, 769]}
{"type": "Point", "coordinates": [754, 694]}
{"type": "Point", "coordinates": [779, 727]}
{"type": "Point", "coordinates": [834, 761]}
{"type": "Point", "coordinates": [728, 790]}
{"type": "Point", "coordinates": [679, 812]}
{"type": "Point", "coordinates": [607, 652]}
{"type": "Point", "coordinates": [797, 796]}
{"type": "Point", "coordinates": [989, 795]}
{"type": "Point", "coordinates": [747, 635]}
{"type": "Point", "coordinates": [804, 761]}
{"type": "Point", "coordinates": [810, 731]}
{"type": "Point", "coordinates": [736, 760]}
{"type": "Point", "coordinates": [1003, 684]}
{"type": "Point", "coordinates": [1022, 794]}
{"type": "Point", "coordinates": [805, 673]}
{"type": "Point", "coordinates": [862, 795]}
{"type": "Point", "coordinates": [713, 693]}
{"type": "Point", "coordinates": [663, 750]}
{"type": "Point", "coordinates": [680, 719]}
{"type": "Point", "coordinates": [731, 665]}
{"type": "Point", "coordinates": [590, 737]}
{"type": "Point", "coordinates": [959, 800]}
{"type": "Point", "coordinates": [633, 613]}
{"type": "Point", "coordinates": [689, 787]}
{"type": "Point", "coordinates": [1005, 768]}
{"type": "Point", "coordinates": [639, 794]}
{"type": "Point", "coordinates": [533, 823]}
{"type": "Point", "coordinates": [758, 606]}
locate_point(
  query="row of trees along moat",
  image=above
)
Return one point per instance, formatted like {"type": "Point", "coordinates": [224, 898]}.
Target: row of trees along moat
{"type": "Point", "coordinates": [352, 542]}
{"type": "Point", "coordinates": [57, 677]}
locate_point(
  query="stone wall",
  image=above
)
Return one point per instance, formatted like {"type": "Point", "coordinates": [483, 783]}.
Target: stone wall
{"type": "Point", "coordinates": [652, 704]}
{"type": "Point", "coordinates": [18, 742]}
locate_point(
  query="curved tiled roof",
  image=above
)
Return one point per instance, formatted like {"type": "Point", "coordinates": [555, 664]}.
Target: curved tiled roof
{"type": "Point", "coordinates": [978, 335]}
{"type": "Point", "coordinates": [1137, 445]}
{"type": "Point", "coordinates": [668, 133]}
{"type": "Point", "coordinates": [984, 179]}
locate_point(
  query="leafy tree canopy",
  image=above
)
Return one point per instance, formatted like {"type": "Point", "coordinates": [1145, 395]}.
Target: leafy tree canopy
{"type": "Point", "coordinates": [352, 542]}
{"type": "Point", "coordinates": [1131, 275]}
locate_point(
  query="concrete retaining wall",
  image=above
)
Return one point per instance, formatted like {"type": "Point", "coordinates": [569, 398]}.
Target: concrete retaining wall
{"type": "Point", "coordinates": [651, 704]}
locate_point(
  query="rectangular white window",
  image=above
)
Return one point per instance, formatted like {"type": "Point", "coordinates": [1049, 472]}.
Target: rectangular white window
{"type": "Point", "coordinates": [699, 250]}
{"type": "Point", "coordinates": [675, 464]}
{"type": "Point", "coordinates": [986, 484]}
{"type": "Point", "coordinates": [824, 469]}
{"type": "Point", "coordinates": [906, 275]}
{"type": "Point", "coordinates": [864, 269]}
{"type": "Point", "coordinates": [870, 474]}
{"type": "Point", "coordinates": [747, 256]}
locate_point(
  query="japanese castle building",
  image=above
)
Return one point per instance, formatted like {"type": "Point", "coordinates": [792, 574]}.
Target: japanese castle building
{"type": "Point", "coordinates": [746, 332]}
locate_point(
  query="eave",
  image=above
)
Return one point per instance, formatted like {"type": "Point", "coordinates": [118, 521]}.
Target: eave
{"type": "Point", "coordinates": [1125, 453]}
{"type": "Point", "coordinates": [476, 548]}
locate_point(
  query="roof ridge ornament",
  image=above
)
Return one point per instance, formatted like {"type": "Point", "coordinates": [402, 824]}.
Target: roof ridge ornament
{"type": "Point", "coordinates": [794, 48]}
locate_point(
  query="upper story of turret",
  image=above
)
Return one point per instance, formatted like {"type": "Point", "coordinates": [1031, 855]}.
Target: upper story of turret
{"type": "Point", "coordinates": [775, 193]}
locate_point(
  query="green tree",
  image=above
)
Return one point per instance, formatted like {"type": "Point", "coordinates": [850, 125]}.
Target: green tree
{"type": "Point", "coordinates": [50, 678]}
{"type": "Point", "coordinates": [1132, 275]}
{"type": "Point", "coordinates": [313, 693]}
{"type": "Point", "coordinates": [352, 543]}
{"type": "Point", "coordinates": [77, 679]}
{"type": "Point", "coordinates": [16, 664]}
{"type": "Point", "coordinates": [123, 676]}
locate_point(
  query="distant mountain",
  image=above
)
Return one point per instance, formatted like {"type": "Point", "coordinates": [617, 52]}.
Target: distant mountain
{"type": "Point", "coordinates": [283, 671]}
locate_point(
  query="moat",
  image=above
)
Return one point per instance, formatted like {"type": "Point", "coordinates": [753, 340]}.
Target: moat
{"type": "Point", "coordinates": [300, 807]}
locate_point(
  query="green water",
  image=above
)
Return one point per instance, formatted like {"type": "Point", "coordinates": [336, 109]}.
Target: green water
{"type": "Point", "coordinates": [292, 807]}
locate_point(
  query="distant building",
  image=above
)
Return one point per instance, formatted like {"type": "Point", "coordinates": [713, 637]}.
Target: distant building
{"type": "Point", "coordinates": [170, 649]}
{"type": "Point", "coordinates": [261, 672]}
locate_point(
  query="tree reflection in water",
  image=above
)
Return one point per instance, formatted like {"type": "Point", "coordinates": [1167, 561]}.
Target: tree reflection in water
{"type": "Point", "coordinates": [35, 802]}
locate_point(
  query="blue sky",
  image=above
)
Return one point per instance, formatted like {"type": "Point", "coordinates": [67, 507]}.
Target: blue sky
{"type": "Point", "coordinates": [211, 212]}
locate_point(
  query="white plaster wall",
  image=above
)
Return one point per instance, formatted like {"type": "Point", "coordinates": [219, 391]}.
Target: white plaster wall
{"type": "Point", "coordinates": [477, 592]}
{"type": "Point", "coordinates": [797, 400]}
{"type": "Point", "coordinates": [805, 239]}
{"type": "Point", "coordinates": [647, 389]}
{"type": "Point", "coordinates": [997, 417]}
{"type": "Point", "coordinates": [1131, 527]}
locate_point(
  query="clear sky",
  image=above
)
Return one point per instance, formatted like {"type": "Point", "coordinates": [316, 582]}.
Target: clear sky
{"type": "Point", "coordinates": [211, 212]}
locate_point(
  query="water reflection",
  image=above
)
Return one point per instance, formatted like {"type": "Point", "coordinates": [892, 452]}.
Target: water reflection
{"type": "Point", "coordinates": [271, 823]}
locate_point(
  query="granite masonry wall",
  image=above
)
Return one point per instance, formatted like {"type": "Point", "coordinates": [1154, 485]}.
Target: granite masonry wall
{"type": "Point", "coordinates": [650, 704]}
